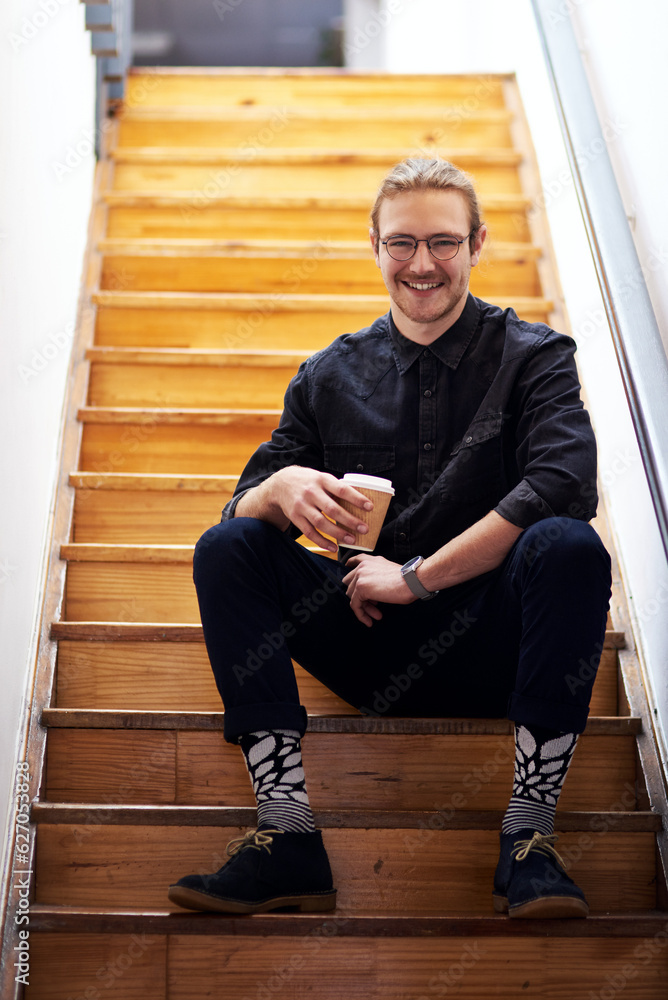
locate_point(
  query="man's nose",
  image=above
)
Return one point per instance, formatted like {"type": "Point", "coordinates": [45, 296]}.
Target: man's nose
{"type": "Point", "coordinates": [422, 259]}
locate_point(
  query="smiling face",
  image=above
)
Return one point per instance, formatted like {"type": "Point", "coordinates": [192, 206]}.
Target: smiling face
{"type": "Point", "coordinates": [428, 295]}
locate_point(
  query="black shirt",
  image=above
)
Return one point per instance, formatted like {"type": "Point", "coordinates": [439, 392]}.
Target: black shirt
{"type": "Point", "coordinates": [488, 417]}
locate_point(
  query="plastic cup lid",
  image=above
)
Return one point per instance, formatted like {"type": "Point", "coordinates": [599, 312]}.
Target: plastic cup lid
{"type": "Point", "coordinates": [371, 482]}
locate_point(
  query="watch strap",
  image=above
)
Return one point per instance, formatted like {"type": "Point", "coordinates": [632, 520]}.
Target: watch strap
{"type": "Point", "coordinates": [410, 576]}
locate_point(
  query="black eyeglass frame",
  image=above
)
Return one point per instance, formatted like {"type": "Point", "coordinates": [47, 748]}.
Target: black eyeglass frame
{"type": "Point", "coordinates": [402, 236]}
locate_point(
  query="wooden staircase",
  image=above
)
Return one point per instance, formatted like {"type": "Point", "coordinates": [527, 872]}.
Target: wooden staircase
{"type": "Point", "coordinates": [228, 241]}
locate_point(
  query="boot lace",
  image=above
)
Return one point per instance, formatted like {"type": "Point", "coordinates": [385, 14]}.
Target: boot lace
{"type": "Point", "coordinates": [541, 842]}
{"type": "Point", "coordinates": [255, 839]}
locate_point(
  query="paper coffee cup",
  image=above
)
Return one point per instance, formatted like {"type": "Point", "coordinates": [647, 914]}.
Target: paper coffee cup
{"type": "Point", "coordinates": [378, 490]}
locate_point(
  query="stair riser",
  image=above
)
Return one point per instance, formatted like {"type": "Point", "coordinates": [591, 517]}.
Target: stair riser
{"type": "Point", "coordinates": [395, 871]}
{"type": "Point", "coordinates": [282, 127]}
{"type": "Point", "coordinates": [398, 772]}
{"type": "Point", "coordinates": [330, 966]}
{"type": "Point", "coordinates": [163, 222]}
{"type": "Point", "coordinates": [179, 449]}
{"type": "Point", "coordinates": [187, 385]}
{"type": "Point", "coordinates": [237, 329]}
{"type": "Point", "coordinates": [319, 273]}
{"type": "Point", "coordinates": [257, 327]}
{"type": "Point", "coordinates": [464, 93]}
{"type": "Point", "coordinates": [144, 518]}
{"type": "Point", "coordinates": [145, 675]}
{"type": "Point", "coordinates": [207, 181]}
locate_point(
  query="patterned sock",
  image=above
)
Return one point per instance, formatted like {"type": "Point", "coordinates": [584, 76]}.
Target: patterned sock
{"type": "Point", "coordinates": [274, 761]}
{"type": "Point", "coordinates": [542, 757]}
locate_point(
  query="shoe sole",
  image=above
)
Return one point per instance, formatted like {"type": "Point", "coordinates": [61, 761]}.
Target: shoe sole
{"type": "Point", "coordinates": [191, 899]}
{"type": "Point", "coordinates": [544, 908]}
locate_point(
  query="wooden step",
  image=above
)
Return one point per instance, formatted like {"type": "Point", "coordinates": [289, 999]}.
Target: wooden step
{"type": "Point", "coordinates": [146, 509]}
{"type": "Point", "coordinates": [134, 377]}
{"type": "Point", "coordinates": [423, 822]}
{"type": "Point", "coordinates": [506, 269]}
{"type": "Point", "coordinates": [243, 321]}
{"type": "Point", "coordinates": [112, 664]}
{"type": "Point", "coordinates": [402, 870]}
{"type": "Point", "coordinates": [178, 441]}
{"type": "Point", "coordinates": [98, 920]}
{"type": "Point", "coordinates": [326, 218]}
{"type": "Point", "coordinates": [422, 764]}
{"type": "Point", "coordinates": [360, 958]}
{"type": "Point", "coordinates": [208, 175]}
{"type": "Point", "coordinates": [235, 87]}
{"type": "Point", "coordinates": [259, 128]}
{"type": "Point", "coordinates": [234, 321]}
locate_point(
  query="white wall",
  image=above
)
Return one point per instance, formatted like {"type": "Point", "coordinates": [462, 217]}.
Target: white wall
{"type": "Point", "coordinates": [47, 83]}
{"type": "Point", "coordinates": [625, 54]}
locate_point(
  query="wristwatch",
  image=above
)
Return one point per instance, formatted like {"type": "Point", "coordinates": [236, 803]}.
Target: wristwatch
{"type": "Point", "coordinates": [410, 576]}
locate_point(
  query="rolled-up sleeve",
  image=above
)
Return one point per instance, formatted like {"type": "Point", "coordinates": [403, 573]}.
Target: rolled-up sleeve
{"type": "Point", "coordinates": [555, 448]}
{"type": "Point", "coordinates": [294, 442]}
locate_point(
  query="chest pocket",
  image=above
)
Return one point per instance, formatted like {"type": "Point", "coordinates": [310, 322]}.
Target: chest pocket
{"type": "Point", "coordinates": [370, 459]}
{"type": "Point", "coordinates": [475, 469]}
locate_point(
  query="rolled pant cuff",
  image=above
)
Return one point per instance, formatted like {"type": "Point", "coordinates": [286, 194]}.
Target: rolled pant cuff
{"type": "Point", "coordinates": [547, 714]}
{"type": "Point", "coordinates": [253, 718]}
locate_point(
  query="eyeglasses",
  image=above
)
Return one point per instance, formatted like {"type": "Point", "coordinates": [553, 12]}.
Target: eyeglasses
{"type": "Point", "coordinates": [441, 247]}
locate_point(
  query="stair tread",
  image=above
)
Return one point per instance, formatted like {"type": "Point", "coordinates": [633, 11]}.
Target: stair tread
{"type": "Point", "coordinates": [277, 302]}
{"type": "Point", "coordinates": [97, 718]}
{"type": "Point", "coordinates": [230, 816]}
{"type": "Point", "coordinates": [336, 249]}
{"type": "Point", "coordinates": [260, 357]}
{"type": "Point", "coordinates": [258, 112]}
{"type": "Point", "coordinates": [309, 156]}
{"type": "Point", "coordinates": [96, 920]}
{"type": "Point", "coordinates": [296, 202]}
{"type": "Point", "coordinates": [172, 415]}
{"type": "Point", "coordinates": [185, 631]}
{"type": "Point", "coordinates": [151, 481]}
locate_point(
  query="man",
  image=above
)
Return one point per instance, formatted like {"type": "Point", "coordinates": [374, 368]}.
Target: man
{"type": "Point", "coordinates": [487, 587]}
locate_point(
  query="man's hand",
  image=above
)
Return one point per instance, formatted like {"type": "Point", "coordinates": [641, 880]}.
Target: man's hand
{"type": "Point", "coordinates": [308, 499]}
{"type": "Point", "coordinates": [372, 579]}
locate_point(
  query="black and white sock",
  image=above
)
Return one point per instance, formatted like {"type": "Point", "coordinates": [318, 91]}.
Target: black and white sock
{"type": "Point", "coordinates": [274, 761]}
{"type": "Point", "coordinates": [542, 757]}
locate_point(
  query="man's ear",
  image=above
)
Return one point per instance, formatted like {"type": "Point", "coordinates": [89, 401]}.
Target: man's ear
{"type": "Point", "coordinates": [477, 245]}
{"type": "Point", "coordinates": [375, 245]}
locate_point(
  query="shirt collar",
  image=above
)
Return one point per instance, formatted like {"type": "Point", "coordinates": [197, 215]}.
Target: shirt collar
{"type": "Point", "coordinates": [449, 348]}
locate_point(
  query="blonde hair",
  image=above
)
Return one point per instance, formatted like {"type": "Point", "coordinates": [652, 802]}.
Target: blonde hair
{"type": "Point", "coordinates": [418, 173]}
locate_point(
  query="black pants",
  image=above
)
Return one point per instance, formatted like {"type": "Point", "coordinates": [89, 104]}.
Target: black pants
{"type": "Point", "coordinates": [523, 641]}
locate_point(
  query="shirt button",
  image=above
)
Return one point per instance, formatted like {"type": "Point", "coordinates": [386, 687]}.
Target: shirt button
{"type": "Point", "coordinates": [427, 447]}
{"type": "Point", "coordinates": [469, 439]}
{"type": "Point", "coordinates": [360, 468]}
{"type": "Point", "coordinates": [427, 393]}
{"type": "Point", "coordinates": [426, 353]}
{"type": "Point", "coordinates": [402, 536]}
